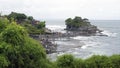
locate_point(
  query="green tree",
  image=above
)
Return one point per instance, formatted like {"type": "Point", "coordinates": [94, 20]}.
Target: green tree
{"type": "Point", "coordinates": [68, 21]}
{"type": "Point", "coordinates": [21, 50]}
{"type": "Point", "coordinates": [30, 18]}
{"type": "Point", "coordinates": [77, 19]}
{"type": "Point", "coordinates": [17, 16]}
{"type": "Point", "coordinates": [3, 23]}
{"type": "Point", "coordinates": [40, 25]}
{"type": "Point", "coordinates": [76, 23]}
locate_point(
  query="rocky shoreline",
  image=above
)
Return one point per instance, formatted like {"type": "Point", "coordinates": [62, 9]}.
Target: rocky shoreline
{"type": "Point", "coordinates": [74, 27]}
{"type": "Point", "coordinates": [47, 39]}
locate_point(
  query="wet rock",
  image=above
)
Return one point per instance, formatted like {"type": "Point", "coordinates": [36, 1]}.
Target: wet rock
{"type": "Point", "coordinates": [49, 46]}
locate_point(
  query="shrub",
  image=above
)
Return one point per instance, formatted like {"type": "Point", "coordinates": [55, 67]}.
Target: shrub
{"type": "Point", "coordinates": [115, 61]}
{"type": "Point", "coordinates": [21, 50]}
{"type": "Point", "coordinates": [79, 63]}
{"type": "Point", "coordinates": [97, 61]}
{"type": "Point", "coordinates": [65, 61]}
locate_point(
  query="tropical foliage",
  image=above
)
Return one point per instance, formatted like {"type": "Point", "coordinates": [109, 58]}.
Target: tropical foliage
{"type": "Point", "coordinates": [96, 61]}
{"type": "Point", "coordinates": [17, 16]}
{"type": "Point", "coordinates": [3, 23]}
{"type": "Point", "coordinates": [77, 22]}
{"type": "Point", "coordinates": [33, 26]}
{"type": "Point", "coordinates": [18, 50]}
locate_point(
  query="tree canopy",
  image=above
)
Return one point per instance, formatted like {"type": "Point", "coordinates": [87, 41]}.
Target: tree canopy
{"type": "Point", "coordinates": [77, 22]}
{"type": "Point", "coordinates": [17, 16]}
{"type": "Point", "coordinates": [3, 23]}
{"type": "Point", "coordinates": [18, 50]}
{"type": "Point", "coordinates": [30, 18]}
{"type": "Point", "coordinates": [33, 26]}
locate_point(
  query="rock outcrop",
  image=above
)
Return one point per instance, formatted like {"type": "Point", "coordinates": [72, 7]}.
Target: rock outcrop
{"type": "Point", "coordinates": [49, 46]}
{"type": "Point", "coordinates": [81, 26]}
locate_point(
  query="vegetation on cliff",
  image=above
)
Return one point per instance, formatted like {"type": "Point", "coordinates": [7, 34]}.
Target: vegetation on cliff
{"type": "Point", "coordinates": [80, 24]}
{"type": "Point", "coordinates": [33, 26]}
{"type": "Point", "coordinates": [77, 22]}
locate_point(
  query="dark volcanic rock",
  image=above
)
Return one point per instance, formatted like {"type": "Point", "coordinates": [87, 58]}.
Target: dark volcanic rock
{"type": "Point", "coordinates": [49, 46]}
{"type": "Point", "coordinates": [46, 43]}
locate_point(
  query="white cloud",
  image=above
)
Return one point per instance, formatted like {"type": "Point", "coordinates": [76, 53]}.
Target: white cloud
{"type": "Point", "coordinates": [52, 9]}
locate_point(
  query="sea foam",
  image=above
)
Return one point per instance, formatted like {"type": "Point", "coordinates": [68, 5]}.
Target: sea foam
{"type": "Point", "coordinates": [82, 38]}
{"type": "Point", "coordinates": [90, 44]}
{"type": "Point", "coordinates": [56, 28]}
{"type": "Point", "coordinates": [88, 41]}
{"type": "Point", "coordinates": [108, 33]}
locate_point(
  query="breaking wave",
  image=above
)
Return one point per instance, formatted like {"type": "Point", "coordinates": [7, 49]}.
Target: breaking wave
{"type": "Point", "coordinates": [90, 44]}
{"type": "Point", "coordinates": [56, 28]}
{"type": "Point", "coordinates": [108, 33]}
{"type": "Point", "coordinates": [88, 41]}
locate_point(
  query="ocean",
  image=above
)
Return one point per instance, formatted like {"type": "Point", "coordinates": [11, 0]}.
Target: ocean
{"type": "Point", "coordinates": [86, 46]}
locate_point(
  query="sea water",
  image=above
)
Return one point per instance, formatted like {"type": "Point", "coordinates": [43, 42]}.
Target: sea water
{"type": "Point", "coordinates": [86, 46]}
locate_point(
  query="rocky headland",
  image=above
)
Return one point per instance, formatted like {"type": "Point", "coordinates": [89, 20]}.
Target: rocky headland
{"type": "Point", "coordinates": [81, 26]}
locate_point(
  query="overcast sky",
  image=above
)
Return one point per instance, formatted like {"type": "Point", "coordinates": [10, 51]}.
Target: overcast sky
{"type": "Point", "coordinates": [62, 9]}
